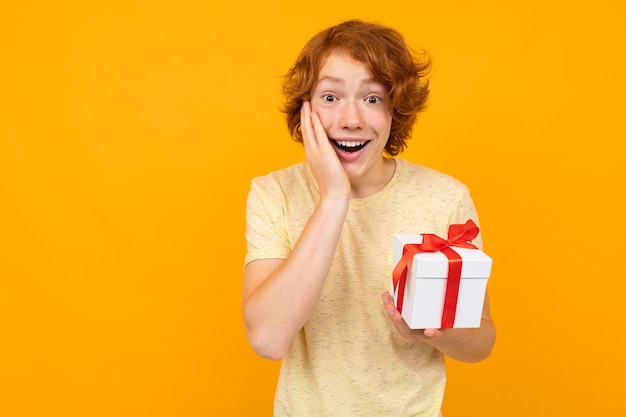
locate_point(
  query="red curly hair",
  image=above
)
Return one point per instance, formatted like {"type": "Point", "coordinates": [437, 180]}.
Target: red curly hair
{"type": "Point", "coordinates": [388, 57]}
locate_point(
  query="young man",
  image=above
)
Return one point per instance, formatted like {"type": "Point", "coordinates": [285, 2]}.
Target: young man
{"type": "Point", "coordinates": [319, 237]}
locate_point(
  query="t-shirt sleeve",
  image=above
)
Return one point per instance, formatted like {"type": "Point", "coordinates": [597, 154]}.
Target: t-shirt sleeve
{"type": "Point", "coordinates": [266, 234]}
{"type": "Point", "coordinates": [467, 210]}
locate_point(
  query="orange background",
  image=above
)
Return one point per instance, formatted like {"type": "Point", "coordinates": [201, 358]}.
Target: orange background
{"type": "Point", "coordinates": [129, 132]}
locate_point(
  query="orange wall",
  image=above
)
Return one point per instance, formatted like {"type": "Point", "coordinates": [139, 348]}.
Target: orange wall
{"type": "Point", "coordinates": [129, 131]}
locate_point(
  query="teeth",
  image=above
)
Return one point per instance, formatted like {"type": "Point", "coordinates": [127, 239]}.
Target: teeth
{"type": "Point", "coordinates": [350, 144]}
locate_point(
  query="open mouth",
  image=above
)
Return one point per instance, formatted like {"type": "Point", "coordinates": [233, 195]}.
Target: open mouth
{"type": "Point", "coordinates": [350, 146]}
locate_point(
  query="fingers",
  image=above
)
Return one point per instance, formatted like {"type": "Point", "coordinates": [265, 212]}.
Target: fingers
{"type": "Point", "coordinates": [313, 132]}
{"type": "Point", "coordinates": [395, 316]}
{"type": "Point", "coordinates": [389, 307]}
{"type": "Point", "coordinates": [321, 157]}
{"type": "Point", "coordinates": [305, 123]}
{"type": "Point", "coordinates": [401, 326]}
{"type": "Point", "coordinates": [432, 332]}
{"type": "Point", "coordinates": [320, 132]}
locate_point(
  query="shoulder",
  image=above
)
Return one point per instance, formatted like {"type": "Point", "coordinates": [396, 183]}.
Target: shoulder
{"type": "Point", "coordinates": [421, 176]}
{"type": "Point", "coordinates": [286, 183]}
{"type": "Point", "coordinates": [437, 198]}
{"type": "Point", "coordinates": [293, 173]}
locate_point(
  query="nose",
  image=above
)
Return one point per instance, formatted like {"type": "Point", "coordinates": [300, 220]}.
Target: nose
{"type": "Point", "coordinates": [351, 116]}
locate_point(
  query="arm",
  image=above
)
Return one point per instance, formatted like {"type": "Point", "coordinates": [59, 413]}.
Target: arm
{"type": "Point", "coordinates": [279, 295]}
{"type": "Point", "coordinates": [467, 345]}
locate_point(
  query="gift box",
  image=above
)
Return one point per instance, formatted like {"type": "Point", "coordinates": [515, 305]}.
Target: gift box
{"type": "Point", "coordinates": [442, 284]}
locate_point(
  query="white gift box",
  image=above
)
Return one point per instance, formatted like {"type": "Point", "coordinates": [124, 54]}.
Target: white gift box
{"type": "Point", "coordinates": [426, 280]}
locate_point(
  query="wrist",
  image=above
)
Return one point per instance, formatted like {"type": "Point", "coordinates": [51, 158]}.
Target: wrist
{"type": "Point", "coordinates": [335, 200]}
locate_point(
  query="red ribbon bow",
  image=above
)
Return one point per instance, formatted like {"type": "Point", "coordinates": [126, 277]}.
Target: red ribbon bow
{"type": "Point", "coordinates": [459, 235]}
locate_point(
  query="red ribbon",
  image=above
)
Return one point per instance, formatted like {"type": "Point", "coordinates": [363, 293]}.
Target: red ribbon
{"type": "Point", "coordinates": [459, 235]}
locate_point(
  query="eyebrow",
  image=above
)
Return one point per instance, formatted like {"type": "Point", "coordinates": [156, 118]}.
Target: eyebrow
{"type": "Point", "coordinates": [340, 81]}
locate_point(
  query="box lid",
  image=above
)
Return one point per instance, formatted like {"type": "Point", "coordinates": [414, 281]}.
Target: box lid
{"type": "Point", "coordinates": [476, 264]}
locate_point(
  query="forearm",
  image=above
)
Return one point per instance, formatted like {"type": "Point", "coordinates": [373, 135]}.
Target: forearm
{"type": "Point", "coordinates": [277, 303]}
{"type": "Point", "coordinates": [467, 345]}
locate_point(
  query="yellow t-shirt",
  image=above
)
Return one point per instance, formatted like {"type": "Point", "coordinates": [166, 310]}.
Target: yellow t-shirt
{"type": "Point", "coordinates": [348, 360]}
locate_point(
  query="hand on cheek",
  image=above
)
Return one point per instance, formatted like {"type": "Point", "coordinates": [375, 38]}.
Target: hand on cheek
{"type": "Point", "coordinates": [321, 157]}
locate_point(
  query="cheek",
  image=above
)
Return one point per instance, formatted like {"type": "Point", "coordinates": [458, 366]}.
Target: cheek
{"type": "Point", "coordinates": [389, 126]}
{"type": "Point", "coordinates": [383, 122]}
{"type": "Point", "coordinates": [388, 121]}
{"type": "Point", "coordinates": [325, 116]}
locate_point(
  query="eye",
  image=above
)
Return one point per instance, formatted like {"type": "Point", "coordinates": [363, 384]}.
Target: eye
{"type": "Point", "coordinates": [373, 99]}
{"type": "Point", "coordinates": [329, 98]}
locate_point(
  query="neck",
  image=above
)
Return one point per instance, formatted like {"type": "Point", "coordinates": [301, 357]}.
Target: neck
{"type": "Point", "coordinates": [365, 187]}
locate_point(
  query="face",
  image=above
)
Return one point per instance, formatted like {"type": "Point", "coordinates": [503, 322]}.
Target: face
{"type": "Point", "coordinates": [357, 121]}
